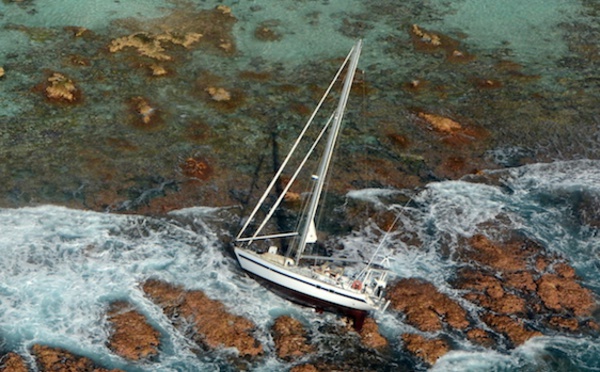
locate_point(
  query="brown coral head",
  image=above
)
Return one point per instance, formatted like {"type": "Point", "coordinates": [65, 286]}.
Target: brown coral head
{"type": "Point", "coordinates": [487, 83]}
{"type": "Point", "coordinates": [60, 88]}
{"type": "Point", "coordinates": [266, 31]}
{"type": "Point", "coordinates": [144, 114]}
{"type": "Point", "coordinates": [196, 167]}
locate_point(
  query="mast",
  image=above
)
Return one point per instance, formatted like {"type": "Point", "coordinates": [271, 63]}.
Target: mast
{"type": "Point", "coordinates": [329, 147]}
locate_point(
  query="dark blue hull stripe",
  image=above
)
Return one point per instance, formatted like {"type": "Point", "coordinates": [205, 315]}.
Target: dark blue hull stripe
{"type": "Point", "coordinates": [300, 280]}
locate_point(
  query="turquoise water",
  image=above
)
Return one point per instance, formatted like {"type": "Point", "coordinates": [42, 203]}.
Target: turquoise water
{"type": "Point", "coordinates": [540, 125]}
{"type": "Point", "coordinates": [529, 30]}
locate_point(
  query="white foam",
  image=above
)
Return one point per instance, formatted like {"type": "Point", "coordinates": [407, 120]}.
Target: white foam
{"type": "Point", "coordinates": [62, 267]}
{"type": "Point", "coordinates": [372, 195]}
{"type": "Point", "coordinates": [561, 175]}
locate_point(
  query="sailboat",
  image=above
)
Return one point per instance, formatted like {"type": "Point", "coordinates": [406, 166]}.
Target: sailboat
{"type": "Point", "coordinates": [279, 259]}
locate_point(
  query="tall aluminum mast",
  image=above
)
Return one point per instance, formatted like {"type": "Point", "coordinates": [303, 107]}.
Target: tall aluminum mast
{"type": "Point", "coordinates": [328, 153]}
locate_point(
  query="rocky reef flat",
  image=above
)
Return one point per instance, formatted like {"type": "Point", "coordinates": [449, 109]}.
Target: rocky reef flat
{"type": "Point", "coordinates": [150, 115]}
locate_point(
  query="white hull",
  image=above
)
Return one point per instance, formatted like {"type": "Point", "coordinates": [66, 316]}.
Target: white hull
{"type": "Point", "coordinates": [301, 284]}
{"type": "Point", "coordinates": [322, 287]}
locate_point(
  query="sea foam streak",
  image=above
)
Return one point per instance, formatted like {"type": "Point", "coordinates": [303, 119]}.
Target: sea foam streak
{"type": "Point", "coordinates": [61, 268]}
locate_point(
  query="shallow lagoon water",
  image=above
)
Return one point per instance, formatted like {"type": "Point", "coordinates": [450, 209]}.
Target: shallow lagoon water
{"type": "Point", "coordinates": [65, 265]}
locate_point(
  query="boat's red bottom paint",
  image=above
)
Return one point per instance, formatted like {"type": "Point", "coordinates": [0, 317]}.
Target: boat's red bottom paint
{"type": "Point", "coordinates": [358, 316]}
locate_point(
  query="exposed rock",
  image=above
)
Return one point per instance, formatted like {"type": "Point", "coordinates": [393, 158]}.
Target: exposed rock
{"type": "Point", "coordinates": [219, 98]}
{"type": "Point", "coordinates": [55, 359]}
{"type": "Point", "coordinates": [507, 304]}
{"type": "Point", "coordinates": [440, 123]}
{"type": "Point", "coordinates": [592, 325]}
{"type": "Point", "coordinates": [158, 70]}
{"type": "Point", "coordinates": [517, 278]}
{"type": "Point", "coordinates": [560, 293]}
{"type": "Point", "coordinates": [507, 257]}
{"type": "Point", "coordinates": [2, 72]}
{"type": "Point", "coordinates": [213, 325]}
{"type": "Point", "coordinates": [568, 324]}
{"type": "Point", "coordinates": [513, 328]}
{"type": "Point", "coordinates": [481, 337]}
{"type": "Point", "coordinates": [145, 113]}
{"type": "Point", "coordinates": [304, 368]}
{"type": "Point", "coordinates": [154, 38]}
{"type": "Point", "coordinates": [564, 270]}
{"type": "Point", "coordinates": [521, 280]}
{"type": "Point", "coordinates": [428, 41]}
{"type": "Point", "coordinates": [153, 46]}
{"type": "Point", "coordinates": [426, 37]}
{"type": "Point", "coordinates": [430, 350]}
{"type": "Point", "coordinates": [489, 292]}
{"type": "Point", "coordinates": [218, 94]}
{"type": "Point", "coordinates": [290, 338]}
{"type": "Point", "coordinates": [542, 263]}
{"type": "Point", "coordinates": [12, 362]}
{"type": "Point", "coordinates": [424, 306]}
{"type": "Point", "coordinates": [61, 88]}
{"type": "Point", "coordinates": [478, 281]}
{"type": "Point", "coordinates": [224, 9]}
{"type": "Point", "coordinates": [370, 335]}
{"type": "Point", "coordinates": [132, 337]}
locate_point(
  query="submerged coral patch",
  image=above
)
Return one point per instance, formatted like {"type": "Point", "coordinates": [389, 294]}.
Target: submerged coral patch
{"type": "Point", "coordinates": [153, 46]}
{"type": "Point", "coordinates": [60, 88]}
{"type": "Point", "coordinates": [196, 168]}
{"type": "Point", "coordinates": [145, 114]}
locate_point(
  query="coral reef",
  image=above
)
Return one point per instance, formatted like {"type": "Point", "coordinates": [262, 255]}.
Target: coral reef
{"type": "Point", "coordinates": [511, 327]}
{"type": "Point", "coordinates": [517, 286]}
{"type": "Point", "coordinates": [145, 114]}
{"type": "Point", "coordinates": [213, 93]}
{"type": "Point", "coordinates": [516, 279]}
{"type": "Point", "coordinates": [432, 42]}
{"type": "Point", "coordinates": [266, 32]}
{"type": "Point", "coordinates": [196, 168]}
{"type": "Point", "coordinates": [290, 338]}
{"type": "Point", "coordinates": [55, 359]}
{"type": "Point", "coordinates": [430, 350]}
{"type": "Point", "coordinates": [157, 70]}
{"type": "Point", "coordinates": [304, 368]}
{"type": "Point", "coordinates": [12, 362]}
{"type": "Point", "coordinates": [480, 337]}
{"type": "Point", "coordinates": [60, 88]}
{"type": "Point", "coordinates": [218, 94]}
{"type": "Point", "coordinates": [426, 37]}
{"type": "Point", "coordinates": [131, 337]}
{"type": "Point", "coordinates": [559, 293]}
{"type": "Point", "coordinates": [424, 306]}
{"type": "Point", "coordinates": [370, 336]}
{"type": "Point", "coordinates": [213, 326]}
{"type": "Point", "coordinates": [182, 27]}
{"type": "Point", "coordinates": [440, 123]}
{"type": "Point", "coordinates": [153, 46]}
